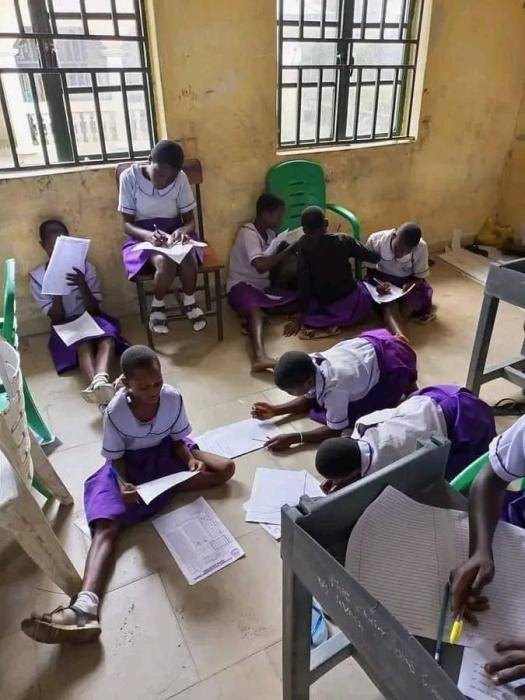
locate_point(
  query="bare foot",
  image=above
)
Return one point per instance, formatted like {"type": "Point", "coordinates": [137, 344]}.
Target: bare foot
{"type": "Point", "coordinates": [260, 364]}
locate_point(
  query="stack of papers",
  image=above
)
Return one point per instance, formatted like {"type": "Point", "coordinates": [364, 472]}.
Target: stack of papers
{"type": "Point", "coordinates": [69, 253]}
{"type": "Point", "coordinates": [176, 252]}
{"type": "Point", "coordinates": [394, 294]}
{"type": "Point", "coordinates": [238, 438]}
{"type": "Point", "coordinates": [197, 540]}
{"type": "Point", "coordinates": [81, 328]}
{"type": "Point", "coordinates": [151, 489]}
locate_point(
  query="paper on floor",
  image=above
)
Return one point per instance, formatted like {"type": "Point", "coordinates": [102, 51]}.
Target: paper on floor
{"type": "Point", "coordinates": [197, 540]}
{"type": "Point", "coordinates": [274, 488]}
{"type": "Point", "coordinates": [151, 489]}
{"type": "Point", "coordinates": [238, 438]}
{"type": "Point", "coordinates": [69, 252]}
{"type": "Point", "coordinates": [273, 530]}
{"type": "Point", "coordinates": [176, 252]}
{"type": "Point", "coordinates": [473, 680]}
{"type": "Point", "coordinates": [82, 327]}
{"type": "Point", "coordinates": [394, 294]}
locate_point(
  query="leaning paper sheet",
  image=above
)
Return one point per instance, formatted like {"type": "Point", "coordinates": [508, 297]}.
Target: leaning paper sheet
{"type": "Point", "coordinates": [197, 540]}
{"type": "Point", "coordinates": [238, 438]}
{"type": "Point", "coordinates": [69, 253]}
{"type": "Point", "coordinates": [176, 252]}
{"type": "Point", "coordinates": [288, 236]}
{"type": "Point", "coordinates": [394, 294]}
{"type": "Point", "coordinates": [151, 489]}
{"type": "Point", "coordinates": [81, 328]}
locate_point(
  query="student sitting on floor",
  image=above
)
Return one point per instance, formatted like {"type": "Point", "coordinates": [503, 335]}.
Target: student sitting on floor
{"type": "Point", "coordinates": [157, 203]}
{"type": "Point", "coordinates": [145, 437]}
{"type": "Point", "coordinates": [354, 377]}
{"type": "Point", "coordinates": [380, 438]}
{"type": "Point", "coordinates": [249, 291]}
{"type": "Point", "coordinates": [94, 355]}
{"type": "Point", "coordinates": [488, 501]}
{"type": "Point", "coordinates": [329, 295]}
{"type": "Point", "coordinates": [404, 262]}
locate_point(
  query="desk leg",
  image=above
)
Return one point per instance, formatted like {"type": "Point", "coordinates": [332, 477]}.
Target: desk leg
{"type": "Point", "coordinates": [218, 306]}
{"type": "Point", "coordinates": [478, 360]}
{"type": "Point", "coordinates": [297, 611]}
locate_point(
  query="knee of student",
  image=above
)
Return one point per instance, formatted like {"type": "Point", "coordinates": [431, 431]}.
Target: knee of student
{"type": "Point", "coordinates": [229, 470]}
{"type": "Point", "coordinates": [165, 267]}
{"type": "Point", "coordinates": [107, 530]}
{"type": "Point", "coordinates": [107, 342]}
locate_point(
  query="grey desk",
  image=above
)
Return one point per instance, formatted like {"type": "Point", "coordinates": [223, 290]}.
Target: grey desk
{"type": "Point", "coordinates": [314, 539]}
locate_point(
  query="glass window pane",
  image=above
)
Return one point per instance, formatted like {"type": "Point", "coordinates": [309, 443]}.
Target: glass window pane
{"type": "Point", "coordinates": [101, 27]}
{"type": "Point", "coordinates": [291, 31]}
{"type": "Point", "coordinates": [6, 158]}
{"type": "Point", "coordinates": [95, 53]}
{"type": "Point", "coordinates": [8, 23]}
{"type": "Point", "coordinates": [113, 121]}
{"type": "Point", "coordinates": [66, 5]}
{"type": "Point", "coordinates": [308, 114]}
{"type": "Point", "coordinates": [378, 54]}
{"type": "Point", "coordinates": [366, 111]}
{"type": "Point", "coordinates": [327, 113]}
{"type": "Point", "coordinates": [78, 80]}
{"type": "Point", "coordinates": [332, 11]}
{"type": "Point", "coordinates": [291, 9]}
{"type": "Point", "coordinates": [98, 5]}
{"type": "Point", "coordinates": [304, 53]}
{"type": "Point", "coordinates": [288, 114]}
{"type": "Point", "coordinates": [384, 110]}
{"type": "Point", "coordinates": [127, 27]}
{"type": "Point", "coordinates": [21, 109]}
{"type": "Point", "coordinates": [138, 120]}
{"type": "Point", "coordinates": [19, 53]}
{"type": "Point", "coordinates": [290, 75]}
{"type": "Point", "coordinates": [106, 79]}
{"type": "Point", "coordinates": [125, 6]}
{"type": "Point", "coordinates": [85, 123]}
{"type": "Point", "coordinates": [69, 26]}
{"type": "Point", "coordinates": [393, 10]}
{"type": "Point", "coordinates": [373, 11]}
{"type": "Point", "coordinates": [134, 78]}
{"type": "Point", "coordinates": [312, 31]}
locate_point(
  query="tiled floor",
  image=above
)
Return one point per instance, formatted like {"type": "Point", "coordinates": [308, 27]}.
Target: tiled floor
{"type": "Point", "coordinates": [219, 640]}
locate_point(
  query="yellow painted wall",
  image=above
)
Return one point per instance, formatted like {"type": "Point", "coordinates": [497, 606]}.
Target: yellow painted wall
{"type": "Point", "coordinates": [511, 209]}
{"type": "Point", "coordinates": [218, 67]}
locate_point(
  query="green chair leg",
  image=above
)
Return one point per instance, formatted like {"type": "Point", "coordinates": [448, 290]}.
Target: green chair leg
{"type": "Point", "coordinates": [35, 420]}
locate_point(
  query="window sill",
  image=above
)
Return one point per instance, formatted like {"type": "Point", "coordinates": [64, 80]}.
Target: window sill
{"type": "Point", "coordinates": [299, 150]}
{"type": "Point", "coordinates": [56, 170]}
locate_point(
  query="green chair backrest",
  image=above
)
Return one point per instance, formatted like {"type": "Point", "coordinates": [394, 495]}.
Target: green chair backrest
{"type": "Point", "coordinates": [301, 184]}
{"type": "Point", "coordinates": [8, 329]}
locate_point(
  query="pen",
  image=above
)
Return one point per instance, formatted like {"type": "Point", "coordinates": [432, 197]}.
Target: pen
{"type": "Point", "coordinates": [441, 623]}
{"type": "Point", "coordinates": [457, 627]}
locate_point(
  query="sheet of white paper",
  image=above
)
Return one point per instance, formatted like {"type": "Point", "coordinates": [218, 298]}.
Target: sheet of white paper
{"type": "Point", "coordinates": [273, 530]}
{"type": "Point", "coordinates": [402, 552]}
{"type": "Point", "coordinates": [151, 489]}
{"type": "Point", "coordinates": [273, 488]}
{"type": "Point", "coordinates": [177, 252]}
{"type": "Point", "coordinates": [82, 327]}
{"type": "Point", "coordinates": [287, 236]}
{"type": "Point", "coordinates": [197, 540]}
{"type": "Point", "coordinates": [394, 294]}
{"type": "Point", "coordinates": [238, 438]}
{"type": "Point", "coordinates": [69, 252]}
{"type": "Point", "coordinates": [474, 682]}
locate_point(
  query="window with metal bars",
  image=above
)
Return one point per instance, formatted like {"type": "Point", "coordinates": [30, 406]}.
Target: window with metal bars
{"type": "Point", "coordinates": [347, 70]}
{"type": "Point", "coordinates": [75, 83]}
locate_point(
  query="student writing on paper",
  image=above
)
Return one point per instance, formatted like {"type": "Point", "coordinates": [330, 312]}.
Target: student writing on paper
{"type": "Point", "coordinates": [488, 502]}
{"type": "Point", "coordinates": [404, 262]}
{"type": "Point", "coordinates": [380, 438]}
{"type": "Point", "coordinates": [329, 295]}
{"type": "Point", "coordinates": [93, 355]}
{"type": "Point", "coordinates": [157, 204]}
{"type": "Point", "coordinates": [145, 437]}
{"type": "Point", "coordinates": [249, 289]}
{"type": "Point", "coordinates": [337, 386]}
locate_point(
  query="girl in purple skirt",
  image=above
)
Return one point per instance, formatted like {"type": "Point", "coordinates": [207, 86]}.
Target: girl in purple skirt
{"type": "Point", "coordinates": [329, 295]}
{"type": "Point", "coordinates": [404, 262]}
{"type": "Point", "coordinates": [146, 436]}
{"type": "Point", "coordinates": [381, 438]}
{"type": "Point", "coordinates": [93, 355]}
{"type": "Point", "coordinates": [157, 203]}
{"type": "Point", "coordinates": [337, 386]}
{"type": "Point", "coordinates": [249, 290]}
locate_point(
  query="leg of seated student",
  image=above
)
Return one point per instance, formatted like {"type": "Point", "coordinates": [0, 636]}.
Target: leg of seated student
{"type": "Point", "coordinates": [105, 354]}
{"type": "Point", "coordinates": [217, 471]}
{"type": "Point", "coordinates": [86, 359]}
{"type": "Point", "coordinates": [188, 277]}
{"type": "Point", "coordinates": [165, 271]}
{"type": "Point", "coordinates": [261, 359]}
{"type": "Point", "coordinates": [94, 358]}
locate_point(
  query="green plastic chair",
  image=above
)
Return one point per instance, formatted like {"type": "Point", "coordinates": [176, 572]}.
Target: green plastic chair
{"type": "Point", "coordinates": [301, 183]}
{"type": "Point", "coordinates": [464, 480]}
{"type": "Point", "coordinates": [8, 330]}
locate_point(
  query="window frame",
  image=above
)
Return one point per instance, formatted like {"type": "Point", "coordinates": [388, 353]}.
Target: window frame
{"type": "Point", "coordinates": [47, 18]}
{"type": "Point", "coordinates": [405, 79]}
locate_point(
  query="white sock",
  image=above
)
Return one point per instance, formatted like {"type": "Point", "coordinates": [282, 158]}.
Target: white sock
{"type": "Point", "coordinates": [88, 602]}
{"type": "Point", "coordinates": [157, 302]}
{"type": "Point", "coordinates": [188, 299]}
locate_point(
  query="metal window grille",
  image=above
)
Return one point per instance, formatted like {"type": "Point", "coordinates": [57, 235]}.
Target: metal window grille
{"type": "Point", "coordinates": [346, 70]}
{"type": "Point", "coordinates": [75, 83]}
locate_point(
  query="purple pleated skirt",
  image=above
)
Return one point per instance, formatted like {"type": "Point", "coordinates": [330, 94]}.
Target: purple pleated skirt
{"type": "Point", "coordinates": [470, 424]}
{"type": "Point", "coordinates": [65, 357]}
{"type": "Point", "coordinates": [136, 260]}
{"type": "Point", "coordinates": [352, 309]}
{"type": "Point", "coordinates": [397, 364]}
{"type": "Point", "coordinates": [243, 298]}
{"type": "Point", "coordinates": [419, 300]}
{"type": "Point", "coordinates": [102, 497]}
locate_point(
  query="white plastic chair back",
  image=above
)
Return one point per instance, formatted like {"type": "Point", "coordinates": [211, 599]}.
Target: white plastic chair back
{"type": "Point", "coordinates": [14, 431]}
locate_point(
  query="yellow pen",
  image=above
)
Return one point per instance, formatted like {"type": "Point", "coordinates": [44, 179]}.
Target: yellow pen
{"type": "Point", "coordinates": [457, 628]}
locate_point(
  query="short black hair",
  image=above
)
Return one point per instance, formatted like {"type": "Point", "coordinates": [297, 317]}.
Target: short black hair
{"type": "Point", "coordinates": [292, 369]}
{"type": "Point", "coordinates": [312, 219]}
{"type": "Point", "coordinates": [268, 202]}
{"type": "Point", "coordinates": [410, 233]}
{"type": "Point", "coordinates": [42, 229]}
{"type": "Point", "coordinates": [137, 356]}
{"type": "Point", "coordinates": [166, 152]}
{"type": "Point", "coordinates": [338, 457]}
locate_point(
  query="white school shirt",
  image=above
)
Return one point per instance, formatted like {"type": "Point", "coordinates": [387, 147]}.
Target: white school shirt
{"type": "Point", "coordinates": [123, 432]}
{"type": "Point", "coordinates": [139, 197]}
{"type": "Point", "coordinates": [507, 452]}
{"type": "Point", "coordinates": [414, 264]}
{"type": "Point", "coordinates": [344, 373]}
{"type": "Point", "coordinates": [248, 246]}
{"type": "Point", "coordinates": [388, 435]}
{"type": "Point", "coordinates": [73, 302]}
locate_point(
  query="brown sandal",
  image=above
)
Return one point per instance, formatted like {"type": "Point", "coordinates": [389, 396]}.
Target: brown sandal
{"type": "Point", "coordinates": [42, 629]}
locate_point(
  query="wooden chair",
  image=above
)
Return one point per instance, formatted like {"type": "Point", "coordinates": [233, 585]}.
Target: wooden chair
{"type": "Point", "coordinates": [20, 456]}
{"type": "Point", "coordinates": [211, 265]}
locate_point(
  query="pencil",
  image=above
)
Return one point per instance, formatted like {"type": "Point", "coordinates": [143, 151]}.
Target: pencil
{"type": "Point", "coordinates": [441, 624]}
